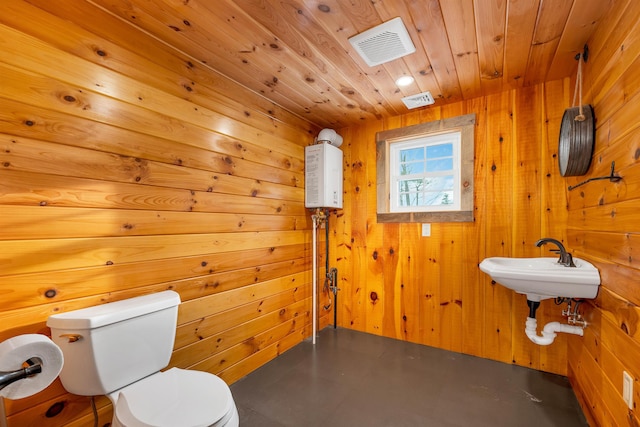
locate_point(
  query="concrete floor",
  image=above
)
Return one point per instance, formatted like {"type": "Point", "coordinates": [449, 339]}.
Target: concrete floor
{"type": "Point", "coordinates": [355, 379]}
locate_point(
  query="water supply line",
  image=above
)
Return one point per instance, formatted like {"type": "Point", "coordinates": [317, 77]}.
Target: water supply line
{"type": "Point", "coordinates": [327, 288]}
{"type": "Point", "coordinates": [317, 218]}
{"type": "Point", "coordinates": [331, 278]}
{"type": "Point", "coordinates": [331, 286]}
{"type": "Point", "coordinates": [331, 274]}
{"type": "Point", "coordinates": [327, 278]}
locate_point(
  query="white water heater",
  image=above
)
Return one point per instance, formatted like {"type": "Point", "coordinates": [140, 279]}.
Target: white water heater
{"type": "Point", "coordinates": [323, 176]}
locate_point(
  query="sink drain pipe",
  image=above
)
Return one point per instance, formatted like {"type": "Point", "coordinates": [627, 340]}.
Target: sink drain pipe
{"type": "Point", "coordinates": [549, 332]}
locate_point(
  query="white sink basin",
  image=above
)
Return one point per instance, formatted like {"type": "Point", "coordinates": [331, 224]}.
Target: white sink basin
{"type": "Point", "coordinates": [543, 278]}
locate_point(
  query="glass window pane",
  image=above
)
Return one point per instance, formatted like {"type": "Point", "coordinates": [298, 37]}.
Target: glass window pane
{"type": "Point", "coordinates": [412, 154]}
{"type": "Point", "coordinates": [439, 183]}
{"type": "Point", "coordinates": [439, 198]}
{"type": "Point", "coordinates": [409, 199]}
{"type": "Point", "coordinates": [412, 168]}
{"type": "Point", "coordinates": [439, 165]}
{"type": "Point", "coordinates": [440, 150]}
{"type": "Point", "coordinates": [410, 185]}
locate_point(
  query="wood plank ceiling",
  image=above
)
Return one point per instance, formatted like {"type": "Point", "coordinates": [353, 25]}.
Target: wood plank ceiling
{"type": "Point", "coordinates": [296, 52]}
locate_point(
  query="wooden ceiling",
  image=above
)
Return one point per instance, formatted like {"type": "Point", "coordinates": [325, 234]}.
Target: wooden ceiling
{"type": "Point", "coordinates": [297, 54]}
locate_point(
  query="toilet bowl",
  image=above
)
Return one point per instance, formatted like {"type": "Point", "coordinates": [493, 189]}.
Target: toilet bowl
{"type": "Point", "coordinates": [175, 397]}
{"type": "Point", "coordinates": [119, 350]}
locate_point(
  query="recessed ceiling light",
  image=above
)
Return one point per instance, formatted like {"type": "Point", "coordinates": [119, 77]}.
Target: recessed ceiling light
{"type": "Point", "coordinates": [404, 81]}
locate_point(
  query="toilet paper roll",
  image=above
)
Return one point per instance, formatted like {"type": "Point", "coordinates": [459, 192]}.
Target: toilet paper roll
{"type": "Point", "coordinates": [15, 351]}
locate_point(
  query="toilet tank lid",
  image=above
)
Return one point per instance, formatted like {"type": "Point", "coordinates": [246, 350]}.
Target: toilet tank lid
{"type": "Point", "coordinates": [113, 312]}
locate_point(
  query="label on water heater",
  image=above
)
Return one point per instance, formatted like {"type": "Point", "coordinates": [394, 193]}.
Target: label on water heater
{"type": "Point", "coordinates": [312, 179]}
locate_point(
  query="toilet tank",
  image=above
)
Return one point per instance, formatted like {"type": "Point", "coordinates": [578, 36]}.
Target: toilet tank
{"type": "Point", "coordinates": [117, 343]}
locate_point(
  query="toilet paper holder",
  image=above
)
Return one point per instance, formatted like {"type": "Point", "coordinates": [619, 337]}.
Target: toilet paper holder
{"type": "Point", "coordinates": [8, 377]}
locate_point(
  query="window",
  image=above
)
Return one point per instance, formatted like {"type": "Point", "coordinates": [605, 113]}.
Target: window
{"type": "Point", "coordinates": [425, 172]}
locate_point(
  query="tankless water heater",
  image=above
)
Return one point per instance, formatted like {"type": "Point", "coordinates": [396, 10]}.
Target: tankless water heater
{"type": "Point", "coordinates": [323, 176]}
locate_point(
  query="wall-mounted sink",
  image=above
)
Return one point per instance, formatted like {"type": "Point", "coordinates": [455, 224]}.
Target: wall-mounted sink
{"type": "Point", "coordinates": [543, 278]}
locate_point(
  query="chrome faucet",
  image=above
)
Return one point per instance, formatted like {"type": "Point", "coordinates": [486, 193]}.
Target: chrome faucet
{"type": "Point", "coordinates": [565, 257]}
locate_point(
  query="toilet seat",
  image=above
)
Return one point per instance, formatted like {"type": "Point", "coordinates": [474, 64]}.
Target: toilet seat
{"type": "Point", "coordinates": [176, 397]}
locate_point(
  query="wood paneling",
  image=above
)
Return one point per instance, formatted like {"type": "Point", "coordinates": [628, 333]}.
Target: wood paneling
{"type": "Point", "coordinates": [127, 169]}
{"type": "Point", "coordinates": [520, 197]}
{"type": "Point", "coordinates": [297, 53]}
{"type": "Point", "coordinates": [130, 164]}
{"type": "Point", "coordinates": [429, 289]}
{"type": "Point", "coordinates": [602, 224]}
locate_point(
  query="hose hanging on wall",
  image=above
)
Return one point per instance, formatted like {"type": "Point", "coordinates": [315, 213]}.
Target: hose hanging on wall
{"type": "Point", "coordinates": [577, 131]}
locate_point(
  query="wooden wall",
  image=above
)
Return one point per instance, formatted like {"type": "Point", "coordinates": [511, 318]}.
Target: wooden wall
{"type": "Point", "coordinates": [430, 290]}
{"type": "Point", "coordinates": [604, 223]}
{"type": "Point", "coordinates": [127, 168]}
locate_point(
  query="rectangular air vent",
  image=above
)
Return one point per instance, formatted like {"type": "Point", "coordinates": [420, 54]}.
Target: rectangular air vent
{"type": "Point", "coordinates": [419, 100]}
{"type": "Point", "coordinates": [384, 43]}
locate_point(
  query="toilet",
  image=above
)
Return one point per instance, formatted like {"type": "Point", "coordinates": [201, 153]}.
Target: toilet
{"type": "Point", "coordinates": [118, 350]}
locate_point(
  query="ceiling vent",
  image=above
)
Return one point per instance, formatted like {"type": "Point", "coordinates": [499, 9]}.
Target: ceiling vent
{"type": "Point", "coordinates": [384, 43]}
{"type": "Point", "coordinates": [419, 100]}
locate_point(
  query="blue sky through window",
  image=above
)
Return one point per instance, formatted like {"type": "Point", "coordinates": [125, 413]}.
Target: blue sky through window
{"type": "Point", "coordinates": [434, 158]}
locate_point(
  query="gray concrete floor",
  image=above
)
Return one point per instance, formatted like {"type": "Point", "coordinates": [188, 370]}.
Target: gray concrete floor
{"type": "Point", "coordinates": [355, 379]}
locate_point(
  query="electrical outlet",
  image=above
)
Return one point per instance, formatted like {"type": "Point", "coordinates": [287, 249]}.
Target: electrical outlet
{"type": "Point", "coordinates": [627, 389]}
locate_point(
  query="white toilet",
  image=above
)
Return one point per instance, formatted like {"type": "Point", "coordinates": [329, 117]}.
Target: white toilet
{"type": "Point", "coordinates": [118, 350]}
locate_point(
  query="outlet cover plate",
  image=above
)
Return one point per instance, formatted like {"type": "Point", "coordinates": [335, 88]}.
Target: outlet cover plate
{"type": "Point", "coordinates": [627, 389]}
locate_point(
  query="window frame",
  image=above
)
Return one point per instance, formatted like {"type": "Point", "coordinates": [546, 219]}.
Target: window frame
{"type": "Point", "coordinates": [466, 126]}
